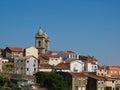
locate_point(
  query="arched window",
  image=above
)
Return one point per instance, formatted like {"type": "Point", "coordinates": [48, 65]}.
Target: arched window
{"type": "Point", "coordinates": [39, 43]}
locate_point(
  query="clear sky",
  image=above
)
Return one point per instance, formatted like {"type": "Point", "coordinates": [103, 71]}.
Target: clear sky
{"type": "Point", "coordinates": [88, 27]}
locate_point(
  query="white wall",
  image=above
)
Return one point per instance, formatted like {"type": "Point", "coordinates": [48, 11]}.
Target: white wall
{"type": "Point", "coordinates": [32, 64]}
{"type": "Point", "coordinates": [76, 66]}
{"type": "Point", "coordinates": [45, 70]}
{"type": "Point", "coordinates": [55, 61]}
{"type": "Point", "coordinates": [91, 67]}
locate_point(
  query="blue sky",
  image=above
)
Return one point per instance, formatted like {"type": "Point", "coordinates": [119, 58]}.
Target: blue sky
{"type": "Point", "coordinates": [89, 27]}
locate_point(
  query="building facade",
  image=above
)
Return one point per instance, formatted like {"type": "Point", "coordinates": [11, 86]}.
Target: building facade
{"type": "Point", "coordinates": [12, 52]}
{"type": "Point", "coordinates": [102, 71]}
{"type": "Point", "coordinates": [76, 66]}
{"type": "Point", "coordinates": [91, 64]}
{"type": "Point", "coordinates": [31, 51]}
{"type": "Point", "coordinates": [79, 81]}
{"type": "Point", "coordinates": [26, 66]}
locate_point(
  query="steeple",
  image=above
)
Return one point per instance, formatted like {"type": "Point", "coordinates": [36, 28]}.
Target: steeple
{"type": "Point", "coordinates": [42, 41]}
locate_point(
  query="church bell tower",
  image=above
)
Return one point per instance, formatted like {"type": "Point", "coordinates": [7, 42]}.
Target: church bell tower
{"type": "Point", "coordinates": [42, 42]}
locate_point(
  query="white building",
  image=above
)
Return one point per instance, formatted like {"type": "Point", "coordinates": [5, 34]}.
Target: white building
{"type": "Point", "coordinates": [27, 65]}
{"type": "Point", "coordinates": [77, 66]}
{"type": "Point", "coordinates": [70, 66]}
{"type": "Point", "coordinates": [91, 64]}
{"type": "Point", "coordinates": [91, 67]}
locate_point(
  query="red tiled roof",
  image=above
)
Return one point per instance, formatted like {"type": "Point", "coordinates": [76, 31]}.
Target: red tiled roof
{"type": "Point", "coordinates": [45, 66]}
{"type": "Point", "coordinates": [88, 59]}
{"type": "Point", "coordinates": [114, 67]}
{"type": "Point", "coordinates": [94, 76]}
{"type": "Point", "coordinates": [45, 56]}
{"type": "Point", "coordinates": [77, 74]}
{"type": "Point", "coordinates": [102, 67]}
{"type": "Point", "coordinates": [61, 66]}
{"type": "Point", "coordinates": [15, 49]}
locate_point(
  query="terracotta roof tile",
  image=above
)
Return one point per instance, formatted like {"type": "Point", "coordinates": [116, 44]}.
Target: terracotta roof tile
{"type": "Point", "coordinates": [45, 66]}
{"type": "Point", "coordinates": [61, 66]}
{"type": "Point", "coordinates": [102, 67]}
{"type": "Point", "coordinates": [94, 76]}
{"type": "Point", "coordinates": [16, 49]}
{"type": "Point", "coordinates": [77, 74]}
{"type": "Point", "coordinates": [46, 56]}
{"type": "Point", "coordinates": [88, 59]}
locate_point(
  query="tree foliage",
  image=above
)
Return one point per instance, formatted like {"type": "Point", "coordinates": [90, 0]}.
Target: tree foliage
{"type": "Point", "coordinates": [3, 81]}
{"type": "Point", "coordinates": [52, 81]}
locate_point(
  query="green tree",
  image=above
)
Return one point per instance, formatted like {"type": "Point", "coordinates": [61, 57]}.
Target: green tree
{"type": "Point", "coordinates": [52, 81]}
{"type": "Point", "coordinates": [3, 81]}
{"type": "Point", "coordinates": [16, 88]}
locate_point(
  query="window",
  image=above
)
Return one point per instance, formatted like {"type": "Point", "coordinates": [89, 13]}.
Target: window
{"type": "Point", "coordinates": [34, 69]}
{"type": "Point", "coordinates": [27, 69]}
{"type": "Point", "coordinates": [39, 43]}
{"type": "Point", "coordinates": [112, 81]}
{"type": "Point", "coordinates": [34, 65]}
{"type": "Point", "coordinates": [21, 68]}
{"type": "Point", "coordinates": [27, 61]}
{"type": "Point", "coordinates": [34, 61]}
{"type": "Point", "coordinates": [102, 74]}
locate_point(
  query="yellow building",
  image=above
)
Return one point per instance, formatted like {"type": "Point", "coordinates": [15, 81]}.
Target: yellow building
{"type": "Point", "coordinates": [31, 51]}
